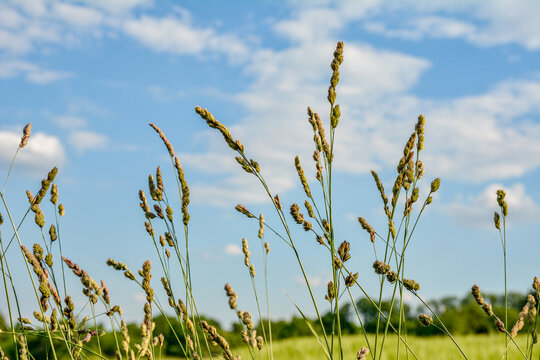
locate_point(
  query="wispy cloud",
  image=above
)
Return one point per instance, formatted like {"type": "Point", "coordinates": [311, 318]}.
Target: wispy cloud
{"type": "Point", "coordinates": [70, 122]}
{"type": "Point", "coordinates": [233, 249]}
{"type": "Point", "coordinates": [83, 140]}
{"type": "Point", "coordinates": [33, 73]}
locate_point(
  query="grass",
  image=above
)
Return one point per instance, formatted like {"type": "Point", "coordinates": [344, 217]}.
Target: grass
{"type": "Point", "coordinates": [478, 347]}
{"type": "Point", "coordinates": [74, 334]}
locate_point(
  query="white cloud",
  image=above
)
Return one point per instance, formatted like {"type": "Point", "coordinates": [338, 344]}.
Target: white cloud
{"type": "Point", "coordinates": [477, 210]}
{"type": "Point", "coordinates": [70, 122]}
{"type": "Point", "coordinates": [233, 249]}
{"type": "Point", "coordinates": [77, 15]}
{"type": "Point", "coordinates": [487, 136]}
{"type": "Point", "coordinates": [42, 153]}
{"type": "Point", "coordinates": [32, 72]}
{"type": "Point", "coordinates": [88, 140]}
{"type": "Point", "coordinates": [489, 24]}
{"type": "Point", "coordinates": [178, 36]}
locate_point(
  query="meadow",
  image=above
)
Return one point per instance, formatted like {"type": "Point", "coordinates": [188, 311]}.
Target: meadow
{"type": "Point", "coordinates": [58, 330]}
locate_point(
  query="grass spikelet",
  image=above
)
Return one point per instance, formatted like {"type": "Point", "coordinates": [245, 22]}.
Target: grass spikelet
{"type": "Point", "coordinates": [213, 336]}
{"type": "Point", "coordinates": [363, 222]}
{"type": "Point", "coordinates": [185, 191]}
{"type": "Point", "coordinates": [213, 123]}
{"type": "Point", "coordinates": [167, 143]}
{"type": "Point", "coordinates": [261, 226]}
{"type": "Point", "coordinates": [54, 194]}
{"type": "Point", "coordinates": [497, 220]}
{"type": "Point", "coordinates": [26, 135]}
{"type": "Point", "coordinates": [233, 296]}
{"type": "Point", "coordinates": [425, 319]}
{"type": "Point", "coordinates": [267, 247]}
{"type": "Point", "coordinates": [52, 233]}
{"type": "Point", "coordinates": [362, 354]}
{"type": "Point", "coordinates": [242, 209]}
{"type": "Point", "coordinates": [295, 213]}
{"type": "Point", "coordinates": [23, 350]}
{"type": "Point", "coordinates": [391, 276]}
{"type": "Point", "coordinates": [61, 210]}
{"type": "Point", "coordinates": [343, 251]}
{"type": "Point", "coordinates": [420, 132]}
{"type": "Point", "coordinates": [277, 202]}
{"type": "Point", "coordinates": [246, 252]}
{"type": "Point", "coordinates": [350, 280]}
{"type": "Point", "coordinates": [336, 62]}
{"type": "Point", "coordinates": [522, 315]}
{"type": "Point", "coordinates": [411, 285]}
{"type": "Point", "coordinates": [499, 325]}
{"type": "Point", "coordinates": [302, 176]}
{"type": "Point", "coordinates": [330, 291]}
{"type": "Point", "coordinates": [380, 187]}
{"type": "Point", "coordinates": [380, 267]}
{"type": "Point", "coordinates": [309, 209]}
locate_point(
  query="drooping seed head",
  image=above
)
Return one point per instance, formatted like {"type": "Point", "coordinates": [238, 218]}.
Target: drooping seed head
{"type": "Point", "coordinates": [242, 209]}
{"type": "Point", "coordinates": [411, 285]}
{"type": "Point", "coordinates": [391, 276]}
{"type": "Point", "coordinates": [343, 251]}
{"type": "Point", "coordinates": [425, 319]}
{"type": "Point", "coordinates": [380, 267]}
{"type": "Point", "coordinates": [350, 280]}
{"type": "Point", "coordinates": [499, 325]}
{"type": "Point", "coordinates": [362, 353]}
{"type": "Point", "coordinates": [167, 143]}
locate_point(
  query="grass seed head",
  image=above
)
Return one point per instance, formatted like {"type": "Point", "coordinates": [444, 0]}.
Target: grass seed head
{"type": "Point", "coordinates": [350, 280]}
{"type": "Point", "coordinates": [26, 135]}
{"type": "Point", "coordinates": [302, 176]}
{"type": "Point", "coordinates": [362, 353]}
{"type": "Point", "coordinates": [242, 209]}
{"type": "Point", "coordinates": [233, 296]}
{"type": "Point", "coordinates": [167, 143]}
{"type": "Point", "coordinates": [499, 325]}
{"type": "Point", "coordinates": [425, 319]}
{"type": "Point", "coordinates": [261, 226]}
{"type": "Point", "coordinates": [331, 291]}
{"type": "Point", "coordinates": [497, 220]}
{"type": "Point", "coordinates": [411, 285]}
{"type": "Point", "coordinates": [54, 194]}
{"type": "Point", "coordinates": [391, 276]}
{"type": "Point", "coordinates": [52, 233]}
{"type": "Point", "coordinates": [277, 202]}
{"type": "Point", "coordinates": [380, 267]}
{"type": "Point", "coordinates": [295, 213]}
{"type": "Point", "coordinates": [343, 251]}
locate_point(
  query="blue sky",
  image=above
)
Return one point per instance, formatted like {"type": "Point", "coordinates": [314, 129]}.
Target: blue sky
{"type": "Point", "coordinates": [90, 76]}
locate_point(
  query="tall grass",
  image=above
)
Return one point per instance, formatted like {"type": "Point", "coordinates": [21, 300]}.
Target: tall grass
{"type": "Point", "coordinates": [70, 334]}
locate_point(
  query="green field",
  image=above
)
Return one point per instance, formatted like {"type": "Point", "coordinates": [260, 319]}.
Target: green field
{"type": "Point", "coordinates": [477, 347]}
